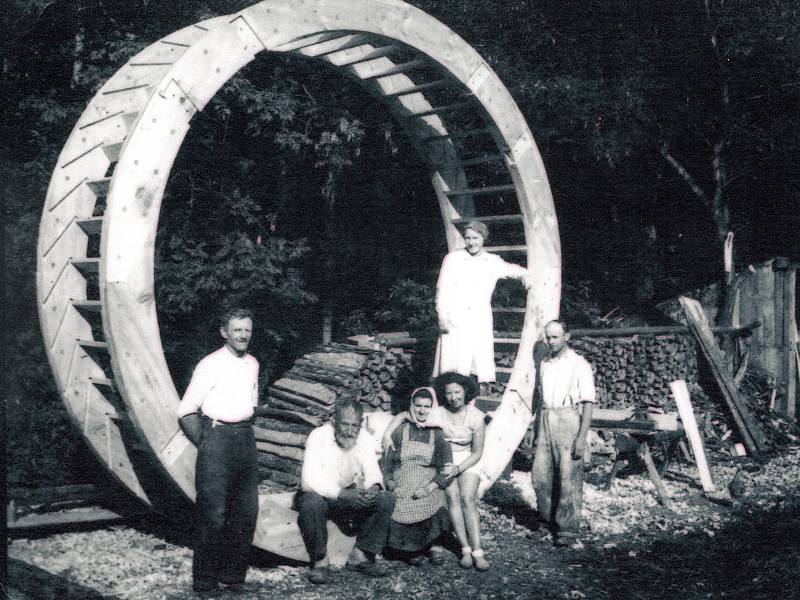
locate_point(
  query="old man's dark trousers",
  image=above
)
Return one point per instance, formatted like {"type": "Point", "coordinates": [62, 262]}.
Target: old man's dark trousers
{"type": "Point", "coordinates": [226, 480]}
{"type": "Point", "coordinates": [370, 526]}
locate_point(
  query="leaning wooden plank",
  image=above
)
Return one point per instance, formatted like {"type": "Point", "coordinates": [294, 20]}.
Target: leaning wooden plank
{"type": "Point", "coordinates": [38, 583]}
{"type": "Point", "coordinates": [681, 394]}
{"type": "Point", "coordinates": [284, 438]}
{"type": "Point", "coordinates": [315, 391]}
{"type": "Point", "coordinates": [284, 451]}
{"type": "Point", "coordinates": [751, 433]}
{"type": "Point", "coordinates": [644, 452]}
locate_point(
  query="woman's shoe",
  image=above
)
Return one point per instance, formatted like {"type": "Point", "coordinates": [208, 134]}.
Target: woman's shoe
{"type": "Point", "coordinates": [481, 564]}
{"type": "Point", "coordinates": [466, 559]}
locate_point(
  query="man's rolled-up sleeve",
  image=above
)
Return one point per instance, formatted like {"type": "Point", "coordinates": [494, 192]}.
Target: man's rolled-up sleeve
{"type": "Point", "coordinates": [585, 377]}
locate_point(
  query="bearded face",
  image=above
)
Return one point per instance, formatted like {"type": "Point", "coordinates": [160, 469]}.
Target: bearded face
{"type": "Point", "coordinates": [346, 426]}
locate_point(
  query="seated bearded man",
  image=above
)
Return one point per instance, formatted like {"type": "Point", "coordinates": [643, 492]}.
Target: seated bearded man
{"type": "Point", "coordinates": [341, 481]}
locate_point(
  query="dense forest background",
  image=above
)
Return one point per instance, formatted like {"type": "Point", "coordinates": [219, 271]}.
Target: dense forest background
{"type": "Point", "coordinates": [662, 127]}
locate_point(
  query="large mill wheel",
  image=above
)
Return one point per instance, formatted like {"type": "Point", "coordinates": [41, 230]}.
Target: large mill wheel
{"type": "Point", "coordinates": [95, 269]}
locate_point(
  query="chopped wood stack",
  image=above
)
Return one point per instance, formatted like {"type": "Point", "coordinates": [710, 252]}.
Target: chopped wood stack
{"type": "Point", "coordinates": [638, 370]}
{"type": "Point", "coordinates": [635, 370]}
{"type": "Point", "coordinates": [306, 395]}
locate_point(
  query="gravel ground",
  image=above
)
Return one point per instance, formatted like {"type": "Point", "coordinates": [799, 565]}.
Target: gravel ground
{"type": "Point", "coordinates": [633, 548]}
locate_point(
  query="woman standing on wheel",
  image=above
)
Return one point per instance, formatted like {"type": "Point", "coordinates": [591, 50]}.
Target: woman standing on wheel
{"type": "Point", "coordinates": [463, 303]}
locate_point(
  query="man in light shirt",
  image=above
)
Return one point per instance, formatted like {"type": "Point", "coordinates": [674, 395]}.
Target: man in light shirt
{"type": "Point", "coordinates": [567, 396]}
{"type": "Point", "coordinates": [341, 481]}
{"type": "Point", "coordinates": [216, 415]}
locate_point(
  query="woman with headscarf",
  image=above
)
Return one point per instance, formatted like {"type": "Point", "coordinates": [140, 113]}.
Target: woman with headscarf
{"type": "Point", "coordinates": [464, 428]}
{"type": "Point", "coordinates": [463, 303]}
{"type": "Point", "coordinates": [413, 468]}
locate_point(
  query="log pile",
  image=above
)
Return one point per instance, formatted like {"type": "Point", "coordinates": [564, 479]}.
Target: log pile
{"type": "Point", "coordinates": [637, 370]}
{"type": "Point", "coordinates": [306, 395]}
{"type": "Point", "coordinates": [634, 370]}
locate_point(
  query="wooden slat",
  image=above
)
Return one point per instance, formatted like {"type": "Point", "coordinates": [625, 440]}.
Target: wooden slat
{"type": "Point", "coordinates": [492, 189]}
{"type": "Point", "coordinates": [373, 55]}
{"type": "Point", "coordinates": [503, 373]}
{"type": "Point", "coordinates": [112, 151]}
{"type": "Point", "coordinates": [457, 134]}
{"type": "Point", "coordinates": [92, 345]}
{"type": "Point", "coordinates": [749, 428]}
{"type": "Point", "coordinates": [439, 109]}
{"type": "Point", "coordinates": [101, 382]}
{"type": "Point", "coordinates": [399, 68]}
{"type": "Point", "coordinates": [99, 187]}
{"type": "Point", "coordinates": [492, 220]}
{"type": "Point", "coordinates": [487, 403]}
{"type": "Point", "coordinates": [129, 119]}
{"type": "Point", "coordinates": [354, 42]}
{"type": "Point", "coordinates": [468, 162]}
{"type": "Point", "coordinates": [422, 87]}
{"type": "Point", "coordinates": [91, 226]}
{"type": "Point", "coordinates": [86, 266]}
{"type": "Point", "coordinates": [93, 306]}
{"type": "Point", "coordinates": [310, 40]}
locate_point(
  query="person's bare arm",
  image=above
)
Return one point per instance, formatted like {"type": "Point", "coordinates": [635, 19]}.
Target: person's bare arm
{"type": "Point", "coordinates": [579, 446]}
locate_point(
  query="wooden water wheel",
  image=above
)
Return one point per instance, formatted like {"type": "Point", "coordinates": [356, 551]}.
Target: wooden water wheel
{"type": "Point", "coordinates": [98, 228]}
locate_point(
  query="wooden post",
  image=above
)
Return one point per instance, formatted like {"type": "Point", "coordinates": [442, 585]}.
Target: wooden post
{"type": "Point", "coordinates": [784, 303]}
{"type": "Point", "coordinates": [681, 394]}
{"type": "Point", "coordinates": [644, 452]}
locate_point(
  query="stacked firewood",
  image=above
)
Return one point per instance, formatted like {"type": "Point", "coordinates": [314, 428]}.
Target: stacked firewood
{"type": "Point", "coordinates": [306, 395]}
{"type": "Point", "coordinates": [634, 370]}
{"type": "Point", "coordinates": [637, 370]}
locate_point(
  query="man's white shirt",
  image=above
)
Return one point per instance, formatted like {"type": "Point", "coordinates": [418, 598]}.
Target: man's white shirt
{"type": "Point", "coordinates": [223, 387]}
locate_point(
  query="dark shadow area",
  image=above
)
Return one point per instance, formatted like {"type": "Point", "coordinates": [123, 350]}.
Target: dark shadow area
{"type": "Point", "coordinates": [751, 559]}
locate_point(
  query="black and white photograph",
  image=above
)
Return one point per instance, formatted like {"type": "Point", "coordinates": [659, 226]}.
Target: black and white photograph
{"type": "Point", "coordinates": [415, 299]}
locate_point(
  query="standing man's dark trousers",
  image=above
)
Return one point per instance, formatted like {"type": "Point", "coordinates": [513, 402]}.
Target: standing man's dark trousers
{"type": "Point", "coordinates": [226, 479]}
{"type": "Point", "coordinates": [557, 477]}
{"type": "Point", "coordinates": [370, 526]}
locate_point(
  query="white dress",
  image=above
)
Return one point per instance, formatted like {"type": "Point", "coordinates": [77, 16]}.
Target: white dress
{"type": "Point", "coordinates": [463, 302]}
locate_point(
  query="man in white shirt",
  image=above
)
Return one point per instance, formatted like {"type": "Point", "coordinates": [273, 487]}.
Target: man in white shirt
{"type": "Point", "coordinates": [567, 396]}
{"type": "Point", "coordinates": [341, 481]}
{"type": "Point", "coordinates": [216, 415]}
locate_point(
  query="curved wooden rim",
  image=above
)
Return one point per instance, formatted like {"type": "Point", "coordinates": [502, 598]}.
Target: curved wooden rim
{"type": "Point", "coordinates": [65, 307]}
{"type": "Point", "coordinates": [145, 159]}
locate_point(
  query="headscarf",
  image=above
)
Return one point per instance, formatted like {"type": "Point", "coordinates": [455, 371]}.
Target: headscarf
{"type": "Point", "coordinates": [430, 393]}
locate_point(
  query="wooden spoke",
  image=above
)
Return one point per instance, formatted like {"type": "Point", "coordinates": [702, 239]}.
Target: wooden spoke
{"type": "Point", "coordinates": [492, 189]}
{"type": "Point", "coordinates": [91, 226]}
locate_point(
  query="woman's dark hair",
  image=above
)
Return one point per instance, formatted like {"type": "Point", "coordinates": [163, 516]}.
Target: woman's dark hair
{"type": "Point", "coordinates": [469, 385]}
